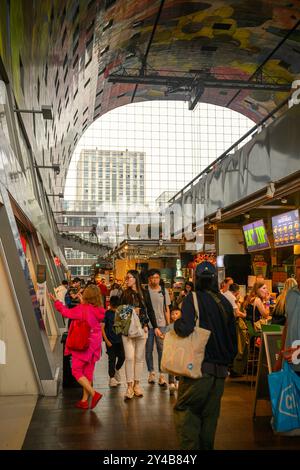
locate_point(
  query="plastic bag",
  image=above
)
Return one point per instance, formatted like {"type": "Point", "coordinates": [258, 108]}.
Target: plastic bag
{"type": "Point", "coordinates": [284, 389]}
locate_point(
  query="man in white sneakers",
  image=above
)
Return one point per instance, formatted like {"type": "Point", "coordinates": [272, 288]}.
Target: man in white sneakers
{"type": "Point", "coordinates": [158, 301]}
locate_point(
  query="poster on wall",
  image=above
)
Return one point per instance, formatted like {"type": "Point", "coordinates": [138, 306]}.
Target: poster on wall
{"type": "Point", "coordinates": [259, 266]}
{"type": "Point", "coordinates": [286, 229]}
{"type": "Point", "coordinates": [256, 236]}
{"type": "Point", "coordinates": [41, 290]}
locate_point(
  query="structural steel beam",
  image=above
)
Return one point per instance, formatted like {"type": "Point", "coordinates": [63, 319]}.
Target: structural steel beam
{"type": "Point", "coordinates": [189, 83]}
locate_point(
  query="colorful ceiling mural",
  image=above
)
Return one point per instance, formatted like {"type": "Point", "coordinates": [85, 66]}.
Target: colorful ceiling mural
{"type": "Point", "coordinates": [62, 52]}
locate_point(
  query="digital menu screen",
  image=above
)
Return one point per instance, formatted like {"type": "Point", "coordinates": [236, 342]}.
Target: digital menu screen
{"type": "Point", "coordinates": [256, 236]}
{"type": "Point", "coordinates": [286, 229]}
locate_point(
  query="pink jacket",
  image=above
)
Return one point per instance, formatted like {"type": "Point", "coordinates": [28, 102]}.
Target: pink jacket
{"type": "Point", "coordinates": [95, 315]}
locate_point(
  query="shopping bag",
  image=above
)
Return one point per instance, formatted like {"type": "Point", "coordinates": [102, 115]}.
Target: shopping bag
{"type": "Point", "coordinates": [284, 389]}
{"type": "Point", "coordinates": [184, 356]}
{"type": "Point", "coordinates": [135, 328]}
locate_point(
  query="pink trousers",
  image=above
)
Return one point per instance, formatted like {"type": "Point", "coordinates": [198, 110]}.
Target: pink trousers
{"type": "Point", "coordinates": [82, 369]}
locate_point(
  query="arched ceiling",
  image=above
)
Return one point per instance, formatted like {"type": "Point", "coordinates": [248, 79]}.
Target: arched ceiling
{"type": "Point", "coordinates": [62, 53]}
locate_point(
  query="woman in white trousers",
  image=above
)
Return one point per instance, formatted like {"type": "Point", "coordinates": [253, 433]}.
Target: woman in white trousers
{"type": "Point", "coordinates": [134, 347]}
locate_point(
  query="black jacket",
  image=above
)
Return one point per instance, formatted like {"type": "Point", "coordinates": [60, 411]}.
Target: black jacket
{"type": "Point", "coordinates": [150, 310]}
{"type": "Point", "coordinates": [221, 347]}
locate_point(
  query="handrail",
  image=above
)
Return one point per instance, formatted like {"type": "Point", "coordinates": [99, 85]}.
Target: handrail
{"type": "Point", "coordinates": [224, 154]}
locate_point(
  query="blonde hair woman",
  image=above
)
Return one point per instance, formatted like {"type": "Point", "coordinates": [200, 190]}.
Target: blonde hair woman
{"type": "Point", "coordinates": [255, 305]}
{"type": "Point", "coordinates": [83, 362]}
{"type": "Point", "coordinates": [279, 315]}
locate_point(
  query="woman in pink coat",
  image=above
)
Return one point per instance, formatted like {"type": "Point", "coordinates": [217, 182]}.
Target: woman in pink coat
{"type": "Point", "coordinates": [83, 362]}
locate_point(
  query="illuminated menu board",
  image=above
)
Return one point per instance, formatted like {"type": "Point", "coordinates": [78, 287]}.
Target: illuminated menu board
{"type": "Point", "coordinates": [256, 236]}
{"type": "Point", "coordinates": [286, 229]}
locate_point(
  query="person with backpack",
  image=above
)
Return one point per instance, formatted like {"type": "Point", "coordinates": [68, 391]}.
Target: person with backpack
{"type": "Point", "coordinates": [158, 301]}
{"type": "Point", "coordinates": [88, 315]}
{"type": "Point", "coordinates": [114, 345]}
{"type": "Point", "coordinates": [199, 400]}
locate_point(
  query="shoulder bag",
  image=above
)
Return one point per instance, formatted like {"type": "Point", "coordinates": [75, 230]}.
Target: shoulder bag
{"type": "Point", "coordinates": [135, 328]}
{"type": "Point", "coordinates": [184, 356]}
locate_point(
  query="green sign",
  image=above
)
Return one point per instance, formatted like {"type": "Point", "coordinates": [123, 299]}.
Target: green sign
{"type": "Point", "coordinates": [256, 236]}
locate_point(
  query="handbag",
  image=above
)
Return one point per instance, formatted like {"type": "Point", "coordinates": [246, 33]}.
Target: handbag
{"type": "Point", "coordinates": [284, 387]}
{"type": "Point", "coordinates": [135, 328]}
{"type": "Point", "coordinates": [184, 356]}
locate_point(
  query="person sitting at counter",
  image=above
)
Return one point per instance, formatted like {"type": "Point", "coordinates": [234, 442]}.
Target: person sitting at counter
{"type": "Point", "coordinates": [233, 294]}
{"type": "Point", "coordinates": [279, 314]}
{"type": "Point", "coordinates": [255, 307]}
{"type": "Point", "coordinates": [224, 287]}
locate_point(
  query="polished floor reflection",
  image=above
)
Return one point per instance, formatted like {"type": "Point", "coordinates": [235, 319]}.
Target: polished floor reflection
{"type": "Point", "coordinates": [15, 417]}
{"type": "Point", "coordinates": [145, 423]}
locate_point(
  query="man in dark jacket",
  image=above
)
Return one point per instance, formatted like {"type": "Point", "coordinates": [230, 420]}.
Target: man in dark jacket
{"type": "Point", "coordinates": [198, 404]}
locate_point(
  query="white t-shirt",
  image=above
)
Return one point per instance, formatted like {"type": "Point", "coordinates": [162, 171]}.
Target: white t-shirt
{"type": "Point", "coordinates": [230, 296]}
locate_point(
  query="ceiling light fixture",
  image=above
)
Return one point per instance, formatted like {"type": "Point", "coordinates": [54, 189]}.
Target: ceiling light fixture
{"type": "Point", "coordinates": [270, 190]}
{"type": "Point", "coordinates": [218, 214]}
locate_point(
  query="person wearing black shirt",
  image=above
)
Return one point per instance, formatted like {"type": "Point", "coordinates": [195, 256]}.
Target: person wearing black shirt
{"type": "Point", "coordinates": [114, 345]}
{"type": "Point", "coordinates": [198, 404]}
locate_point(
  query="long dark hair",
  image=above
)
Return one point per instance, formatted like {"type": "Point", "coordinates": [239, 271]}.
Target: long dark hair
{"type": "Point", "coordinates": [129, 293]}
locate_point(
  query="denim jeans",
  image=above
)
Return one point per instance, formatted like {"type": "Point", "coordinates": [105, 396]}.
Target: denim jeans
{"type": "Point", "coordinates": [150, 346]}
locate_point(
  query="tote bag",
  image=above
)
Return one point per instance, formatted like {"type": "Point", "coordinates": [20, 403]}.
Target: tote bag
{"type": "Point", "coordinates": [284, 389]}
{"type": "Point", "coordinates": [135, 328]}
{"type": "Point", "coordinates": [184, 356]}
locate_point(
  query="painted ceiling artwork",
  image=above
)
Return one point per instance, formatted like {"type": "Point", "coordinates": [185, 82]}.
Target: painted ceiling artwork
{"type": "Point", "coordinates": [63, 53]}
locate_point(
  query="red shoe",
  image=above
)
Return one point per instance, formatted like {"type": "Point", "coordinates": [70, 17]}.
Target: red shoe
{"type": "Point", "coordinates": [95, 399]}
{"type": "Point", "coordinates": [82, 404]}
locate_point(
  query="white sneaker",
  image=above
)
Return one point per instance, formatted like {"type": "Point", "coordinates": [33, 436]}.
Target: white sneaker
{"type": "Point", "coordinates": [172, 388]}
{"type": "Point", "coordinates": [118, 377]}
{"type": "Point", "coordinates": [162, 381]}
{"type": "Point", "coordinates": [151, 378]}
{"type": "Point", "coordinates": [113, 382]}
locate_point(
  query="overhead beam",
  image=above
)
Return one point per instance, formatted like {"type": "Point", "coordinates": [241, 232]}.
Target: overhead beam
{"type": "Point", "coordinates": [190, 82]}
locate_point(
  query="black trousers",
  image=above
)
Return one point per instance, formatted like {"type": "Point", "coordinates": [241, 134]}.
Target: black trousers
{"type": "Point", "coordinates": [116, 358]}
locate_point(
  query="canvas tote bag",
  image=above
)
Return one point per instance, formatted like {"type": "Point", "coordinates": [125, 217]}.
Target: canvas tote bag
{"type": "Point", "coordinates": [184, 356]}
{"type": "Point", "coordinates": [135, 329]}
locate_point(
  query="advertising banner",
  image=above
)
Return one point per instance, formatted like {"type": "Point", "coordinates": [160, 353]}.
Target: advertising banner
{"type": "Point", "coordinates": [286, 229]}
{"type": "Point", "coordinates": [256, 236]}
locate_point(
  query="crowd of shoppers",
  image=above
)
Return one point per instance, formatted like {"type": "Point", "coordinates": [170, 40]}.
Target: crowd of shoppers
{"type": "Point", "coordinates": [198, 400]}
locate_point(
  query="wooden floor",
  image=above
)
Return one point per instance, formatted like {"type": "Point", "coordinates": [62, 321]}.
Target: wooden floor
{"type": "Point", "coordinates": [145, 423]}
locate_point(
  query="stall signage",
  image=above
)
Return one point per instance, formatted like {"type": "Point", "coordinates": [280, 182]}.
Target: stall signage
{"type": "Point", "coordinates": [286, 229]}
{"type": "Point", "coordinates": [256, 236]}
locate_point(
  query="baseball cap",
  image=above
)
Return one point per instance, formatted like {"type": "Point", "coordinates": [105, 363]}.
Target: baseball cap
{"type": "Point", "coordinates": [206, 269]}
